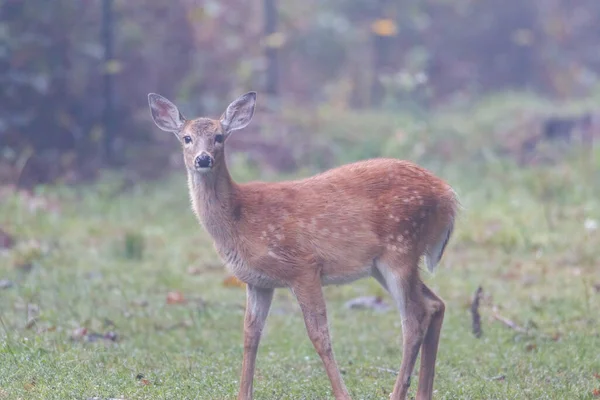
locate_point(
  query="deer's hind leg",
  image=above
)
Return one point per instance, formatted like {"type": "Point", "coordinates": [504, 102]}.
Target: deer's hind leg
{"type": "Point", "coordinates": [436, 309]}
{"type": "Point", "coordinates": [400, 277]}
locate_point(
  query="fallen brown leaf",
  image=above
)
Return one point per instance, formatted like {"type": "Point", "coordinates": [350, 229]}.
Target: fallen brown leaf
{"type": "Point", "coordinates": [596, 392]}
{"type": "Point", "coordinates": [29, 385]}
{"type": "Point", "coordinates": [531, 347]}
{"type": "Point", "coordinates": [175, 297]}
{"type": "Point", "coordinates": [556, 337]}
{"type": "Point", "coordinates": [232, 281]}
{"type": "Point", "coordinates": [144, 382]}
{"type": "Point", "coordinates": [79, 333]}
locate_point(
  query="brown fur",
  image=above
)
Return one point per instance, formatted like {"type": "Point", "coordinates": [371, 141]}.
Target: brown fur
{"type": "Point", "coordinates": [370, 218]}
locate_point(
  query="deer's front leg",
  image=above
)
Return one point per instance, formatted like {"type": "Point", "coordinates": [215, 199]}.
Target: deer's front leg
{"type": "Point", "coordinates": [258, 303]}
{"type": "Point", "coordinates": [310, 297]}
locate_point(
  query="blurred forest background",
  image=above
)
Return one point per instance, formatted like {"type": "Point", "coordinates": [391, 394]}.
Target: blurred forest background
{"type": "Point", "coordinates": [75, 75]}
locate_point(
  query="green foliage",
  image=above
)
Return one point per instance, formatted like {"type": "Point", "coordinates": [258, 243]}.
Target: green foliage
{"type": "Point", "coordinates": [133, 246]}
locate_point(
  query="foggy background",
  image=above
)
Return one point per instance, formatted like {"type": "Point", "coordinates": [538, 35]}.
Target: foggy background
{"type": "Point", "coordinates": [75, 74]}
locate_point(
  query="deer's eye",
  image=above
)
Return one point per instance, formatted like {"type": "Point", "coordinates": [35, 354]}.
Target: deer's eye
{"type": "Point", "coordinates": [187, 139]}
{"type": "Point", "coordinates": [219, 138]}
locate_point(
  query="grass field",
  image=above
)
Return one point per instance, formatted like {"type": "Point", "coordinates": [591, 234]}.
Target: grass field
{"type": "Point", "coordinates": [97, 276]}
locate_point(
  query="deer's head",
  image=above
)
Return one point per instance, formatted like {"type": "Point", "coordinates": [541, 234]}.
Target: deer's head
{"type": "Point", "coordinates": [202, 139]}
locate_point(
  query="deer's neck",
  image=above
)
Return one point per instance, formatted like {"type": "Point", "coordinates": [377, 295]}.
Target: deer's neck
{"type": "Point", "coordinates": [213, 198]}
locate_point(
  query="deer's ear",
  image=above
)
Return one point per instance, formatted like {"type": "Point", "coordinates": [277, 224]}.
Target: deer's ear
{"type": "Point", "coordinates": [164, 113]}
{"type": "Point", "coordinates": [239, 113]}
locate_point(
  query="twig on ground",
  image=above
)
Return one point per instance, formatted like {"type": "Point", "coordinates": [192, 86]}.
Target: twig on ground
{"type": "Point", "coordinates": [511, 324]}
{"type": "Point", "coordinates": [475, 312]}
{"type": "Point", "coordinates": [391, 371]}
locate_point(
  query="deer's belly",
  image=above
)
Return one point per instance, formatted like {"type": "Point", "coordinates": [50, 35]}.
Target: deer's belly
{"type": "Point", "coordinates": [346, 276]}
{"type": "Point", "coordinates": [272, 270]}
{"type": "Point", "coordinates": [248, 273]}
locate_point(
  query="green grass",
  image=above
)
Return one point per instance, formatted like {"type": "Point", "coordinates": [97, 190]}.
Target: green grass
{"type": "Point", "coordinates": [105, 260]}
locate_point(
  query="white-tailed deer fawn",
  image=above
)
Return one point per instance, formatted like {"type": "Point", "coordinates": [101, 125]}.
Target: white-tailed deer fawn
{"type": "Point", "coordinates": [371, 218]}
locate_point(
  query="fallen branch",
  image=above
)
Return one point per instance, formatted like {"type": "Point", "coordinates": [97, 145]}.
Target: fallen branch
{"type": "Point", "coordinates": [475, 312]}
{"type": "Point", "coordinates": [511, 324]}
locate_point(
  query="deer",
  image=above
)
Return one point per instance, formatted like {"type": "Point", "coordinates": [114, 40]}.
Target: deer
{"type": "Point", "coordinates": [372, 218]}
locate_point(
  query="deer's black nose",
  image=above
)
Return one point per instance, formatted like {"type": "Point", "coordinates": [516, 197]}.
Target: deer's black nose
{"type": "Point", "coordinates": [204, 160]}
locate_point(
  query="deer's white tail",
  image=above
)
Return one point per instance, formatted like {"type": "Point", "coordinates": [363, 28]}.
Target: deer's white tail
{"type": "Point", "coordinates": [434, 253]}
{"type": "Point", "coordinates": [435, 249]}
